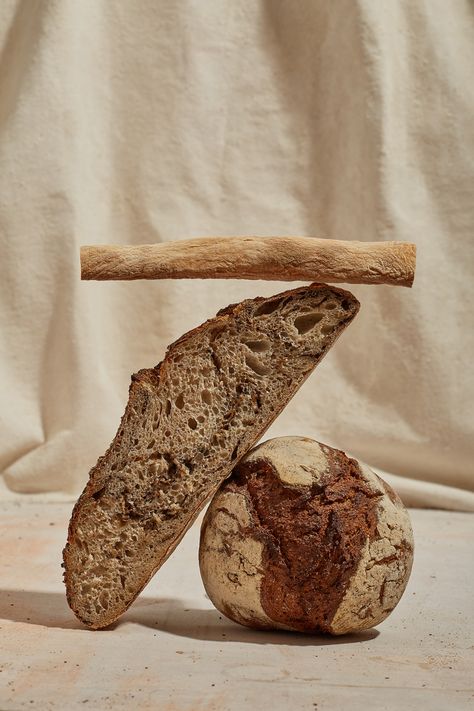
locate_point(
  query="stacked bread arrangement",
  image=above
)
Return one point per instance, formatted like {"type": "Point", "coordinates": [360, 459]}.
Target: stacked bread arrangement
{"type": "Point", "coordinates": [297, 535]}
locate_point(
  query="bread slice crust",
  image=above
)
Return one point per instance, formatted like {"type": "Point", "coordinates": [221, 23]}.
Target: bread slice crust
{"type": "Point", "coordinates": [187, 423]}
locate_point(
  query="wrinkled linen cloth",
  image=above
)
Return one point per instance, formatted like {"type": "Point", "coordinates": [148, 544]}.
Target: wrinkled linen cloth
{"type": "Point", "coordinates": [146, 122]}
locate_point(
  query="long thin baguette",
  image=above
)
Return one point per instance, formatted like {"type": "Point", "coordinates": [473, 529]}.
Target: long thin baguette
{"type": "Point", "coordinates": [279, 258]}
{"type": "Point", "coordinates": [187, 423]}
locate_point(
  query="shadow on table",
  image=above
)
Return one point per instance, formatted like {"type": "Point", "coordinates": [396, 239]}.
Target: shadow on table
{"type": "Point", "coordinates": [209, 625]}
{"type": "Point", "coordinates": [50, 609]}
{"type": "Point", "coordinates": [47, 609]}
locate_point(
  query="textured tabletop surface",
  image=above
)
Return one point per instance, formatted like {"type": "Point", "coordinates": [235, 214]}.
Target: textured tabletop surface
{"type": "Point", "coordinates": [173, 652]}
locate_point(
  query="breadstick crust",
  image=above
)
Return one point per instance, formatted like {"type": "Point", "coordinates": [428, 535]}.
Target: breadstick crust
{"type": "Point", "coordinates": [264, 258]}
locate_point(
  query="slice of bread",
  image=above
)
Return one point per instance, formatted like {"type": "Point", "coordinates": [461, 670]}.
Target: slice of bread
{"type": "Point", "coordinates": [186, 425]}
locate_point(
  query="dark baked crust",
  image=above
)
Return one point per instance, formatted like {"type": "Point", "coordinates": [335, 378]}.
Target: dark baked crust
{"type": "Point", "coordinates": [303, 537]}
{"type": "Point", "coordinates": [313, 538]}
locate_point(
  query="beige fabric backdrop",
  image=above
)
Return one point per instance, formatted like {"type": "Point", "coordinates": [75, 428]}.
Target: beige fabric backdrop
{"type": "Point", "coordinates": [140, 121]}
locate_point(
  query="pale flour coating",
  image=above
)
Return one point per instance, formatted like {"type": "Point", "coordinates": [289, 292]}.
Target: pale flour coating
{"type": "Point", "coordinates": [302, 537]}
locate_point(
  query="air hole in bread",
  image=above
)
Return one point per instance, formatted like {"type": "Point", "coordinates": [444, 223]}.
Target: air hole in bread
{"type": "Point", "coordinates": [268, 307]}
{"type": "Point", "coordinates": [179, 402]}
{"type": "Point", "coordinates": [168, 407]}
{"type": "Point", "coordinates": [192, 423]}
{"type": "Point", "coordinates": [328, 328]}
{"type": "Point", "coordinates": [98, 570]}
{"type": "Point", "coordinates": [254, 364]}
{"type": "Point", "coordinates": [258, 346]}
{"type": "Point", "coordinates": [307, 322]}
{"type": "Point", "coordinates": [216, 360]}
{"type": "Point", "coordinates": [329, 305]}
{"type": "Point", "coordinates": [214, 332]}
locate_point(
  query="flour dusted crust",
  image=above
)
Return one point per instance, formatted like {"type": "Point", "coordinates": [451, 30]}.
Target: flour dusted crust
{"type": "Point", "coordinates": [305, 469]}
{"type": "Point", "coordinates": [302, 537]}
{"type": "Point", "coordinates": [384, 567]}
{"type": "Point", "coordinates": [241, 569]}
{"type": "Point", "coordinates": [279, 258]}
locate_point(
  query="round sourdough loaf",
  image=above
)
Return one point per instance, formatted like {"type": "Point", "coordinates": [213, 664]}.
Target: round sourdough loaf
{"type": "Point", "coordinates": [301, 537]}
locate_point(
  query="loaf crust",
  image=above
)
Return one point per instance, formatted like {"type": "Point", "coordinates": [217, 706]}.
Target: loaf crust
{"type": "Point", "coordinates": [188, 421]}
{"type": "Point", "coordinates": [302, 537]}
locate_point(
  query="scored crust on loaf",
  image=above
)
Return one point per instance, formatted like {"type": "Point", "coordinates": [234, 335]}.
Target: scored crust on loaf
{"type": "Point", "coordinates": [187, 423]}
{"type": "Point", "coordinates": [302, 537]}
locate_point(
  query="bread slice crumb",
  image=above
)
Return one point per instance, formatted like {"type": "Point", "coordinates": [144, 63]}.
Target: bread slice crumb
{"type": "Point", "coordinates": [187, 423]}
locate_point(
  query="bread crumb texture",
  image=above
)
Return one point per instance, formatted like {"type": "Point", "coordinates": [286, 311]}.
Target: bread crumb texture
{"type": "Point", "coordinates": [187, 423]}
{"type": "Point", "coordinates": [304, 538]}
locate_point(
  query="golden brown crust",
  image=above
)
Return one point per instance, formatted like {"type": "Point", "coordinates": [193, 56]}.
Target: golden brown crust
{"type": "Point", "coordinates": [274, 258]}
